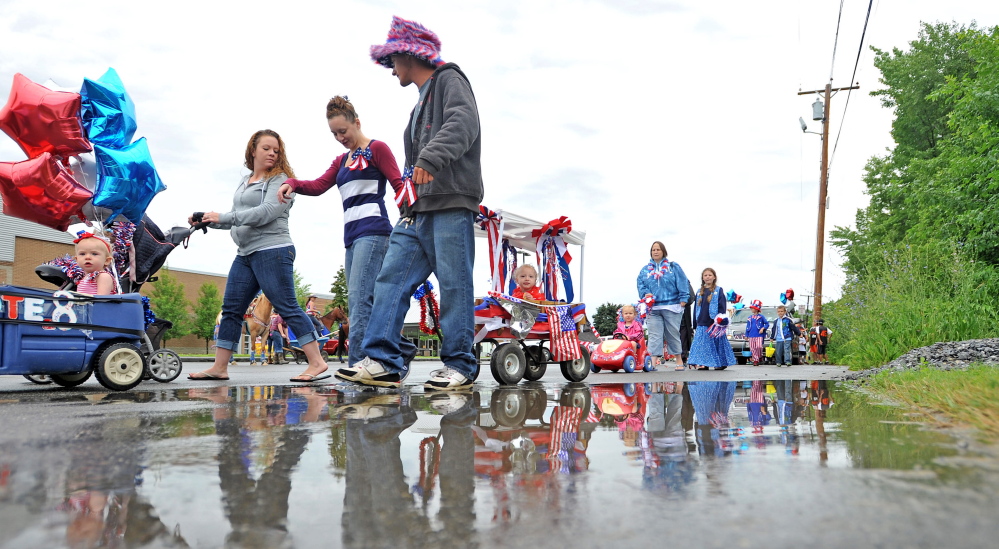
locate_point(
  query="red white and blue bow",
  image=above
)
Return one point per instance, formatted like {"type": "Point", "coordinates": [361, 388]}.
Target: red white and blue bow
{"type": "Point", "coordinates": [407, 194]}
{"type": "Point", "coordinates": [644, 306]}
{"type": "Point", "coordinates": [554, 258]}
{"type": "Point", "coordinates": [720, 326]}
{"type": "Point", "coordinates": [492, 223]}
{"type": "Point", "coordinates": [360, 159]}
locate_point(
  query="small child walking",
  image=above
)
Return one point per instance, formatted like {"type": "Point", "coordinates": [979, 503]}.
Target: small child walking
{"type": "Point", "coordinates": [756, 329]}
{"type": "Point", "coordinates": [526, 277]}
{"type": "Point", "coordinates": [93, 255]}
{"type": "Point", "coordinates": [785, 335]}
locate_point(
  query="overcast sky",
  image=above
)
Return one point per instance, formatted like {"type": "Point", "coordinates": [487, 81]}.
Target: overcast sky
{"type": "Point", "coordinates": [640, 120]}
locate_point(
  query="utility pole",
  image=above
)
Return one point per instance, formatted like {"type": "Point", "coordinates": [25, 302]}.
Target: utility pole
{"type": "Point", "coordinates": [820, 233]}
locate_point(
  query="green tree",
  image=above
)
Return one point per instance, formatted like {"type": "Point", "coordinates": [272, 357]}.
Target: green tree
{"type": "Point", "coordinates": [339, 291]}
{"type": "Point", "coordinates": [915, 191]}
{"type": "Point", "coordinates": [168, 302]}
{"type": "Point", "coordinates": [605, 320]}
{"type": "Point", "coordinates": [205, 311]}
{"type": "Point", "coordinates": [302, 290]}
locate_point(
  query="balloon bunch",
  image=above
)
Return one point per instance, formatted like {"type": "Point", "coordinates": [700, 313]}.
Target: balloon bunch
{"type": "Point", "coordinates": [57, 129]}
{"type": "Point", "coordinates": [735, 299]}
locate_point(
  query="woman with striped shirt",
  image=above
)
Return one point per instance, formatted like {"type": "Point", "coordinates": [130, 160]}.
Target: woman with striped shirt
{"type": "Point", "coordinates": [360, 174]}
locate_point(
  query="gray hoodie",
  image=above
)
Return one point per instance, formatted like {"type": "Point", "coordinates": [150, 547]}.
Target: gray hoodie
{"type": "Point", "coordinates": [257, 220]}
{"type": "Point", "coordinates": [448, 144]}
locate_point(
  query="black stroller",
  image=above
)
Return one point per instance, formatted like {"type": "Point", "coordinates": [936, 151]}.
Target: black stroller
{"type": "Point", "coordinates": [137, 265]}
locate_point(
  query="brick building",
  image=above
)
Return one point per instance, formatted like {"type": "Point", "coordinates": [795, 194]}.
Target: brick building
{"type": "Point", "coordinates": [25, 245]}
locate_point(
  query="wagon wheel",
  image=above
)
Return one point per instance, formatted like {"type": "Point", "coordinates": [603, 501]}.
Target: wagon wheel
{"type": "Point", "coordinates": [164, 365]}
{"type": "Point", "coordinates": [120, 367]}
{"type": "Point", "coordinates": [537, 363]}
{"type": "Point", "coordinates": [508, 364]}
{"type": "Point", "coordinates": [71, 380]}
{"type": "Point", "coordinates": [508, 407]}
{"type": "Point", "coordinates": [325, 355]}
{"type": "Point", "coordinates": [577, 370]}
{"type": "Point", "coordinates": [577, 395]}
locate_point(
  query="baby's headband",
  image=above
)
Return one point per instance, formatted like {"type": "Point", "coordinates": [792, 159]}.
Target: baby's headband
{"type": "Point", "coordinates": [83, 235]}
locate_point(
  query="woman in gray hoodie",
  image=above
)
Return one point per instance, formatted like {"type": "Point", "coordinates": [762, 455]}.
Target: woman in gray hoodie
{"type": "Point", "coordinates": [258, 224]}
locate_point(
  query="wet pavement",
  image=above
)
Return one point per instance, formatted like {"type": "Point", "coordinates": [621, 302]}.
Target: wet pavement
{"type": "Point", "coordinates": [742, 458]}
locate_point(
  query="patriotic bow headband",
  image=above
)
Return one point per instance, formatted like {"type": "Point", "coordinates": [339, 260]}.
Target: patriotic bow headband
{"type": "Point", "coordinates": [83, 235]}
{"type": "Point", "coordinates": [407, 194]}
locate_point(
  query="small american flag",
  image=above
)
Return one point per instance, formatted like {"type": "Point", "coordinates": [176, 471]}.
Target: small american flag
{"type": "Point", "coordinates": [565, 343]}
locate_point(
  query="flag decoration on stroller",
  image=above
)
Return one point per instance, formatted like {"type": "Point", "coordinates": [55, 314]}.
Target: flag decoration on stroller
{"type": "Point", "coordinates": [564, 339]}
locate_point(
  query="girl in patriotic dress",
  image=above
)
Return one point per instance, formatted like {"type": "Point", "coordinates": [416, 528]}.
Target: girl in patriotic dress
{"type": "Point", "coordinates": [93, 255]}
{"type": "Point", "coordinates": [711, 348]}
{"type": "Point", "coordinates": [360, 174]}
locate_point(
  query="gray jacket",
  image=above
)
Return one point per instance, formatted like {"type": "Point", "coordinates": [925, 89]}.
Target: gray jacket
{"type": "Point", "coordinates": [257, 220]}
{"type": "Point", "coordinates": [448, 144]}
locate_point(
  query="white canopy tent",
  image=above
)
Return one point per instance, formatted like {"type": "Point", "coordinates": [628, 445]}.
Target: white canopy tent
{"type": "Point", "coordinates": [517, 230]}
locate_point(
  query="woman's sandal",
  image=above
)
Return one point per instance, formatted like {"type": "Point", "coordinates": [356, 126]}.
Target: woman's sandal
{"type": "Point", "coordinates": [680, 368]}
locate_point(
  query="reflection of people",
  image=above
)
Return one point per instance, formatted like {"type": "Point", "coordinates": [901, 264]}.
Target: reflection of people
{"type": "Point", "coordinates": [360, 174]}
{"type": "Point", "coordinates": [527, 288]}
{"type": "Point", "coordinates": [710, 351]}
{"type": "Point", "coordinates": [258, 224]}
{"type": "Point", "coordinates": [377, 503]}
{"type": "Point", "coordinates": [711, 401]}
{"type": "Point", "coordinates": [443, 145]}
{"type": "Point", "coordinates": [666, 282]}
{"type": "Point", "coordinates": [667, 438]}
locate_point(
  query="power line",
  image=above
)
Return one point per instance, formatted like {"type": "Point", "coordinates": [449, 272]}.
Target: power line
{"type": "Point", "coordinates": [849, 93]}
{"type": "Point", "coordinates": [836, 40]}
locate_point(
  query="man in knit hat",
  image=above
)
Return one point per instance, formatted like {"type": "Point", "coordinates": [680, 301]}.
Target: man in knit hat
{"type": "Point", "coordinates": [434, 235]}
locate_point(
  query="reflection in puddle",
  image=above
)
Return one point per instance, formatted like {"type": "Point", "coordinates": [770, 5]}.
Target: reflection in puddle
{"type": "Point", "coordinates": [274, 466]}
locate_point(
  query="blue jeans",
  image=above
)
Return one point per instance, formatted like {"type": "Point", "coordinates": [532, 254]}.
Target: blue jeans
{"type": "Point", "coordinates": [441, 243]}
{"type": "Point", "coordinates": [362, 265]}
{"type": "Point", "coordinates": [659, 321]}
{"type": "Point", "coordinates": [782, 352]}
{"type": "Point", "coordinates": [270, 271]}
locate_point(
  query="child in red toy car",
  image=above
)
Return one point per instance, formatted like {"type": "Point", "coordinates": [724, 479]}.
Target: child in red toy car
{"type": "Point", "coordinates": [629, 325]}
{"type": "Point", "coordinates": [527, 279]}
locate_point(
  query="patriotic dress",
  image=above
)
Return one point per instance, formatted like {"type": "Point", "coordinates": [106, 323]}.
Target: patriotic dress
{"type": "Point", "coordinates": [360, 175]}
{"type": "Point", "coordinates": [88, 284]}
{"type": "Point", "coordinates": [707, 351]}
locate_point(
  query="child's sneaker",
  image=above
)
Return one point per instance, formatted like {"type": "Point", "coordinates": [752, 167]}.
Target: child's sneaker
{"type": "Point", "coordinates": [370, 372]}
{"type": "Point", "coordinates": [447, 379]}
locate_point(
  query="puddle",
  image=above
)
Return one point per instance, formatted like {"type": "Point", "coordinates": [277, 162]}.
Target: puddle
{"type": "Point", "coordinates": [718, 463]}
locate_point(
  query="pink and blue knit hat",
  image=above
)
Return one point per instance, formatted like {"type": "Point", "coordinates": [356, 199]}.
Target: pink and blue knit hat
{"type": "Point", "coordinates": [408, 37]}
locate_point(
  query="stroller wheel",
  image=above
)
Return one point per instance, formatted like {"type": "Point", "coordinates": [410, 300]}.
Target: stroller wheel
{"type": "Point", "coordinates": [164, 365]}
{"type": "Point", "coordinates": [120, 367]}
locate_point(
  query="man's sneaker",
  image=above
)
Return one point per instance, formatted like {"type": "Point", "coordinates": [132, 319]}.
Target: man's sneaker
{"type": "Point", "coordinates": [446, 403]}
{"type": "Point", "coordinates": [447, 379]}
{"type": "Point", "coordinates": [370, 372]}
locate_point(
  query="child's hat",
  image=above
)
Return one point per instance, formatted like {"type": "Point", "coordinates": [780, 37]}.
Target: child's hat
{"type": "Point", "coordinates": [408, 37]}
{"type": "Point", "coordinates": [756, 304]}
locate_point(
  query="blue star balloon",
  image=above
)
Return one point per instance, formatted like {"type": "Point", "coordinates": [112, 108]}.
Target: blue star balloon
{"type": "Point", "coordinates": [126, 180]}
{"type": "Point", "coordinates": [108, 111]}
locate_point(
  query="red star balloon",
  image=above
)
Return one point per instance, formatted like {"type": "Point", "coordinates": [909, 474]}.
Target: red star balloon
{"type": "Point", "coordinates": [41, 120]}
{"type": "Point", "coordinates": [41, 190]}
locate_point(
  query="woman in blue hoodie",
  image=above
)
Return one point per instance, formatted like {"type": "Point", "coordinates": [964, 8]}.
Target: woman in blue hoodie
{"type": "Point", "coordinates": [665, 281]}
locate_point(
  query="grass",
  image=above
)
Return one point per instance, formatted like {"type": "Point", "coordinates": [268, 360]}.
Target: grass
{"type": "Point", "coordinates": [966, 397]}
{"type": "Point", "coordinates": [911, 297]}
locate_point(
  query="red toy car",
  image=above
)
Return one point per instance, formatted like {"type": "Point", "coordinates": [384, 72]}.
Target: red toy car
{"type": "Point", "coordinates": [620, 354]}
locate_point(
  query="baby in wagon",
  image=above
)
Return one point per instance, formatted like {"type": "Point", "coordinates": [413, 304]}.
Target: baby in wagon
{"type": "Point", "coordinates": [93, 256]}
{"type": "Point", "coordinates": [527, 278]}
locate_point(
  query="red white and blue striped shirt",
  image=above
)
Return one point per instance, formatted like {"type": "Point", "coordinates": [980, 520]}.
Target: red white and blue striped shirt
{"type": "Point", "coordinates": [362, 190]}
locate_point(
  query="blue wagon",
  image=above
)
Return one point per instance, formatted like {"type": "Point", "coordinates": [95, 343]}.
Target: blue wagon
{"type": "Point", "coordinates": [296, 350]}
{"type": "Point", "coordinates": [69, 336]}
